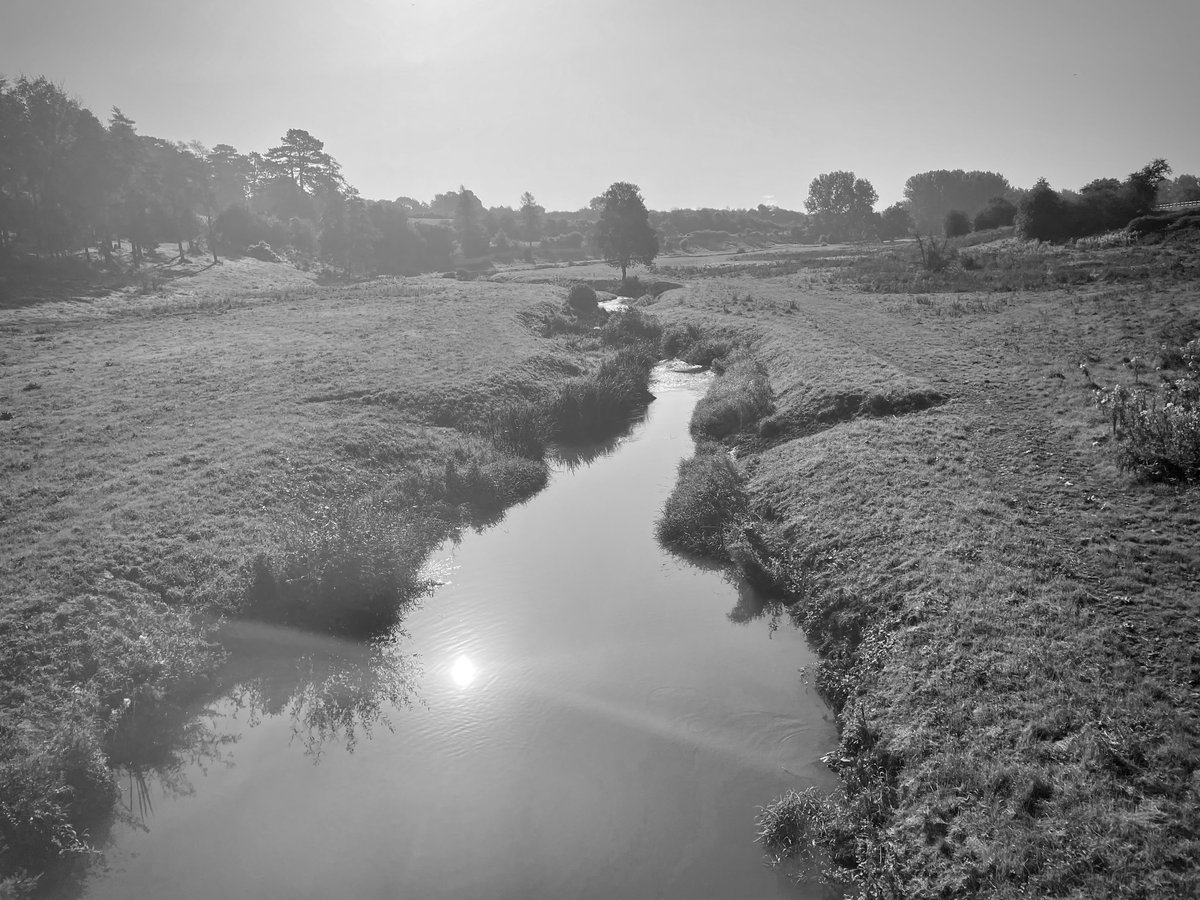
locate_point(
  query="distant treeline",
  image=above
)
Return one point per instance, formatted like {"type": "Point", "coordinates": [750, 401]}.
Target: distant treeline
{"type": "Point", "coordinates": [71, 185]}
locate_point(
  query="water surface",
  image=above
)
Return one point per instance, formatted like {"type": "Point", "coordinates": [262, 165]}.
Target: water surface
{"type": "Point", "coordinates": [593, 721]}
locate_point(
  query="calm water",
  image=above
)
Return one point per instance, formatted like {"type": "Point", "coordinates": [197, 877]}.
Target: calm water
{"type": "Point", "coordinates": [590, 721]}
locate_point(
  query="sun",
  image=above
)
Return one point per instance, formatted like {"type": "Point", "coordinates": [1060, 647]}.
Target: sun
{"type": "Point", "coordinates": [463, 672]}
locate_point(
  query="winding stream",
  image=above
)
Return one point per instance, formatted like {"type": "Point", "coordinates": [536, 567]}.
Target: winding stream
{"type": "Point", "coordinates": [593, 717]}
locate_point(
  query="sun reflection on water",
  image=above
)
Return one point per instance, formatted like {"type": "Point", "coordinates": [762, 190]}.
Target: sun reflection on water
{"type": "Point", "coordinates": [463, 672]}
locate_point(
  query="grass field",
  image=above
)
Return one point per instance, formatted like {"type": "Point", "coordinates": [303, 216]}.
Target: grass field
{"type": "Point", "coordinates": [920, 469]}
{"type": "Point", "coordinates": [1008, 621]}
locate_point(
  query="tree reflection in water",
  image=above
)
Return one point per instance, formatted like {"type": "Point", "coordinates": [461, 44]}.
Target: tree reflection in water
{"type": "Point", "coordinates": [333, 690]}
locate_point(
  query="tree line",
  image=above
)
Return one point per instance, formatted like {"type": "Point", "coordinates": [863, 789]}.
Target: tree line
{"type": "Point", "coordinates": [71, 184]}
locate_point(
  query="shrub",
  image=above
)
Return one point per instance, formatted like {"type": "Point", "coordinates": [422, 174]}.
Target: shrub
{"type": "Point", "coordinates": [557, 323]}
{"type": "Point", "coordinates": [707, 500]}
{"type": "Point", "coordinates": [1144, 225]}
{"type": "Point", "coordinates": [582, 299]}
{"type": "Point", "coordinates": [1158, 431]}
{"type": "Point", "coordinates": [1043, 215]}
{"type": "Point", "coordinates": [956, 224]}
{"type": "Point", "coordinates": [935, 257]}
{"type": "Point", "coordinates": [999, 213]}
{"type": "Point", "coordinates": [738, 398]}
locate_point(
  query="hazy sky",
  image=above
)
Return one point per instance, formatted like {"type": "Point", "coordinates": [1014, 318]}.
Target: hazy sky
{"type": "Point", "coordinates": [701, 103]}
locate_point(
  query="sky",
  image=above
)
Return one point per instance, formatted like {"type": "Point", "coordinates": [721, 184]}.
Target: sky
{"type": "Point", "coordinates": [699, 102]}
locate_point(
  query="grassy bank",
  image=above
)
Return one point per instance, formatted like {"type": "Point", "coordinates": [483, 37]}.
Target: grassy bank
{"type": "Point", "coordinates": [248, 447]}
{"type": "Point", "coordinates": [1005, 607]}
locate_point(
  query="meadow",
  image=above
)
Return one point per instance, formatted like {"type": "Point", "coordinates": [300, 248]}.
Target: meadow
{"type": "Point", "coordinates": [1006, 610]}
{"type": "Point", "coordinates": [917, 466]}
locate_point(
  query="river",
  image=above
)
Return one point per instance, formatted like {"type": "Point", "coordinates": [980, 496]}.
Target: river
{"type": "Point", "coordinates": [574, 712]}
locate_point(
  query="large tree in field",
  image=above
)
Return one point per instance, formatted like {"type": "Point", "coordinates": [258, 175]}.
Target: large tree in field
{"type": "Point", "coordinates": [931, 195]}
{"type": "Point", "coordinates": [623, 232]}
{"type": "Point", "coordinates": [842, 203]}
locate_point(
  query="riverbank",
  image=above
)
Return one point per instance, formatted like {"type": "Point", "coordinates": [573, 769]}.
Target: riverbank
{"type": "Point", "coordinates": [1007, 620]}
{"type": "Point", "coordinates": [263, 448]}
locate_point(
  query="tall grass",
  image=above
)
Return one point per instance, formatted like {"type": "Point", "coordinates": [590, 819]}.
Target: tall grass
{"type": "Point", "coordinates": [594, 404]}
{"type": "Point", "coordinates": [706, 502]}
{"type": "Point", "coordinates": [689, 343]}
{"type": "Point", "coordinates": [346, 568]}
{"type": "Point", "coordinates": [737, 399]}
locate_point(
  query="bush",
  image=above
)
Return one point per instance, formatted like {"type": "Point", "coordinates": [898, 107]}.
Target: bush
{"type": "Point", "coordinates": [1158, 430]}
{"type": "Point", "coordinates": [582, 299]}
{"type": "Point", "coordinates": [956, 224]}
{"type": "Point", "coordinates": [999, 213]}
{"type": "Point", "coordinates": [1043, 215]}
{"type": "Point", "coordinates": [707, 501]}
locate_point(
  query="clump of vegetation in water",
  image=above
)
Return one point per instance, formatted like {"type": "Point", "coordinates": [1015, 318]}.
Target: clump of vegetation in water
{"type": "Point", "coordinates": [692, 345]}
{"type": "Point", "coordinates": [631, 326]}
{"type": "Point", "coordinates": [737, 399]}
{"type": "Point", "coordinates": [707, 500]}
{"type": "Point", "coordinates": [602, 401]}
{"type": "Point", "coordinates": [346, 568]}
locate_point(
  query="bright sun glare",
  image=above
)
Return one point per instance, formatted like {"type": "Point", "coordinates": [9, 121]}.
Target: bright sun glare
{"type": "Point", "coordinates": [463, 672]}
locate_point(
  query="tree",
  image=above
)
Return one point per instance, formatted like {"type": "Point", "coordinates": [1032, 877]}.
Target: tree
{"type": "Point", "coordinates": [231, 176]}
{"type": "Point", "coordinates": [531, 218]}
{"type": "Point", "coordinates": [1145, 182]}
{"type": "Point", "coordinates": [895, 221]}
{"type": "Point", "coordinates": [933, 194]}
{"type": "Point", "coordinates": [1183, 189]}
{"type": "Point", "coordinates": [468, 222]}
{"type": "Point", "coordinates": [302, 159]}
{"type": "Point", "coordinates": [842, 203]}
{"type": "Point", "coordinates": [623, 232]}
{"type": "Point", "coordinates": [998, 213]}
{"type": "Point", "coordinates": [1042, 214]}
{"type": "Point", "coordinates": [956, 224]}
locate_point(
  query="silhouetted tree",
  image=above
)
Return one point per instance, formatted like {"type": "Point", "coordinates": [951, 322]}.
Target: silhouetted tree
{"type": "Point", "coordinates": [998, 213]}
{"type": "Point", "coordinates": [933, 194]}
{"type": "Point", "coordinates": [895, 221]}
{"type": "Point", "coordinates": [1043, 215]}
{"type": "Point", "coordinates": [623, 232]}
{"type": "Point", "coordinates": [302, 159]}
{"type": "Point", "coordinates": [531, 218]}
{"type": "Point", "coordinates": [842, 204]}
{"type": "Point", "coordinates": [468, 222]}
